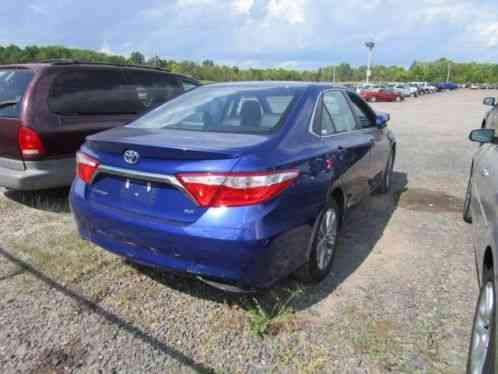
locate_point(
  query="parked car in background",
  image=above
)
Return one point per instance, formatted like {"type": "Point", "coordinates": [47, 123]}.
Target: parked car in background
{"type": "Point", "coordinates": [239, 184]}
{"type": "Point", "coordinates": [404, 90]}
{"type": "Point", "coordinates": [383, 94]}
{"type": "Point", "coordinates": [480, 209]}
{"type": "Point", "coordinates": [474, 86]}
{"type": "Point", "coordinates": [443, 86]}
{"type": "Point", "coordinates": [47, 110]}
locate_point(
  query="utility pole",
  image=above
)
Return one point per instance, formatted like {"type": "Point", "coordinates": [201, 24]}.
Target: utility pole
{"type": "Point", "coordinates": [449, 72]}
{"type": "Point", "coordinates": [370, 45]}
{"type": "Point", "coordinates": [333, 79]}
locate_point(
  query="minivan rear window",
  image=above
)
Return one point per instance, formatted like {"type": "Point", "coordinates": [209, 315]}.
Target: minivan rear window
{"type": "Point", "coordinates": [93, 92]}
{"type": "Point", "coordinates": [13, 85]}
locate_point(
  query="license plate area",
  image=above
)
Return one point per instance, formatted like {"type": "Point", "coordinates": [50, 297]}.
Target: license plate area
{"type": "Point", "coordinates": [139, 192]}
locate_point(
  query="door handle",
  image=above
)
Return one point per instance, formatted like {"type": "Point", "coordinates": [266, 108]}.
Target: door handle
{"type": "Point", "coordinates": [485, 172]}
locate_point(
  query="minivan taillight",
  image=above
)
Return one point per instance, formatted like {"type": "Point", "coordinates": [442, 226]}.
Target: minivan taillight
{"type": "Point", "coordinates": [86, 167]}
{"type": "Point", "coordinates": [236, 189]}
{"type": "Point", "coordinates": [30, 143]}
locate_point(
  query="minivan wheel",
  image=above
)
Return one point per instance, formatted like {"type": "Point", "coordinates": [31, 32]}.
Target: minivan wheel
{"type": "Point", "coordinates": [467, 215]}
{"type": "Point", "coordinates": [323, 246]}
{"type": "Point", "coordinates": [482, 344]}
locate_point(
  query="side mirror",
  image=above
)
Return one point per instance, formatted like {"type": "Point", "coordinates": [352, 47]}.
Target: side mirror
{"type": "Point", "coordinates": [491, 101]}
{"type": "Point", "coordinates": [482, 136]}
{"type": "Point", "coordinates": [382, 119]}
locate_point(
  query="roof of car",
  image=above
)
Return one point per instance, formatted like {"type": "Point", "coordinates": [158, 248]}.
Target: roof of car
{"type": "Point", "coordinates": [269, 84]}
{"type": "Point", "coordinates": [37, 66]}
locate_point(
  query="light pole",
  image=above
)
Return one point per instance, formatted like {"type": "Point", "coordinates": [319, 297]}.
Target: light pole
{"type": "Point", "coordinates": [333, 79]}
{"type": "Point", "coordinates": [370, 45]}
{"type": "Point", "coordinates": [449, 72]}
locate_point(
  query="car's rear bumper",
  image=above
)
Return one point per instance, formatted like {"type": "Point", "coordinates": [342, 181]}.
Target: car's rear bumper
{"type": "Point", "coordinates": [248, 257]}
{"type": "Point", "coordinates": [36, 175]}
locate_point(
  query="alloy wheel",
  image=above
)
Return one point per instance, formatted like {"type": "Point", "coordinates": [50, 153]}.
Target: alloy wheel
{"type": "Point", "coordinates": [327, 236]}
{"type": "Point", "coordinates": [481, 334]}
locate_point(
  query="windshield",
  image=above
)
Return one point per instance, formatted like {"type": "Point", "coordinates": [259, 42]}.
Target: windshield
{"type": "Point", "coordinates": [239, 109]}
{"type": "Point", "coordinates": [13, 84]}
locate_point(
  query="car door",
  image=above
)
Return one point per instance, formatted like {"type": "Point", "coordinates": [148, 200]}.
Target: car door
{"type": "Point", "coordinates": [380, 143]}
{"type": "Point", "coordinates": [484, 187]}
{"type": "Point", "coordinates": [86, 100]}
{"type": "Point", "coordinates": [352, 147]}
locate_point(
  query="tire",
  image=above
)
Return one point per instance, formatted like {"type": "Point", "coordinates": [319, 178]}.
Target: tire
{"type": "Point", "coordinates": [322, 254]}
{"type": "Point", "coordinates": [467, 215]}
{"type": "Point", "coordinates": [373, 99]}
{"type": "Point", "coordinates": [398, 98]}
{"type": "Point", "coordinates": [482, 348]}
{"type": "Point", "coordinates": [385, 187]}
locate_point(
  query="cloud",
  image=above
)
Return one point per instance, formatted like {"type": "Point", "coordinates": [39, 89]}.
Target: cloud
{"type": "Point", "coordinates": [242, 7]}
{"type": "Point", "coordinates": [38, 9]}
{"type": "Point", "coordinates": [261, 33]}
{"type": "Point", "coordinates": [291, 11]}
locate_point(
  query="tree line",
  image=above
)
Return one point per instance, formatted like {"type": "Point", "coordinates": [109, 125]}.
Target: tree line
{"type": "Point", "coordinates": [208, 70]}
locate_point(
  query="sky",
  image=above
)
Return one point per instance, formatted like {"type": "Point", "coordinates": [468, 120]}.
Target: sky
{"type": "Point", "coordinates": [299, 34]}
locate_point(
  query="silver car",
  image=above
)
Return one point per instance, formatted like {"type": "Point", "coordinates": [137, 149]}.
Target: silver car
{"type": "Point", "coordinates": [481, 209]}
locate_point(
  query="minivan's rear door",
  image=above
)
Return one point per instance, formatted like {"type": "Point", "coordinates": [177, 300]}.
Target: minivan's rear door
{"type": "Point", "coordinates": [13, 85]}
{"type": "Point", "coordinates": [88, 100]}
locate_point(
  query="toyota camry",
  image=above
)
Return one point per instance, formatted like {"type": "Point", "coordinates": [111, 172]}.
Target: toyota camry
{"type": "Point", "coordinates": [237, 184]}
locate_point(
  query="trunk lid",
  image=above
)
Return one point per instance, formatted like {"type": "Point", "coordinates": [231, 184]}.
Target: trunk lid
{"type": "Point", "coordinates": [140, 188]}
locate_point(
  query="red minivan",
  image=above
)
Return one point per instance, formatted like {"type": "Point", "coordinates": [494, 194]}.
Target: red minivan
{"type": "Point", "coordinates": [47, 110]}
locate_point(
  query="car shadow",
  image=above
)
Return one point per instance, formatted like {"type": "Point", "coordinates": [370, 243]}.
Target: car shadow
{"type": "Point", "coordinates": [54, 200]}
{"type": "Point", "coordinates": [363, 228]}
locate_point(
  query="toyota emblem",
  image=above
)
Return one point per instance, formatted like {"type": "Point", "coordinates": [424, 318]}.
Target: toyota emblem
{"type": "Point", "coordinates": [131, 157]}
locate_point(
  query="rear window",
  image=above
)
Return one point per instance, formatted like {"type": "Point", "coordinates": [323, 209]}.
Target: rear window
{"type": "Point", "coordinates": [13, 85]}
{"type": "Point", "coordinates": [238, 109]}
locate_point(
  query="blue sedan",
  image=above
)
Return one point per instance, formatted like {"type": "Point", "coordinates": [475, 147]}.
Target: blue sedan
{"type": "Point", "coordinates": [238, 184]}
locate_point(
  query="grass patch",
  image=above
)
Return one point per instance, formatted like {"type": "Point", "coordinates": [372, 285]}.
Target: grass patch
{"type": "Point", "coordinates": [63, 255]}
{"type": "Point", "coordinates": [274, 316]}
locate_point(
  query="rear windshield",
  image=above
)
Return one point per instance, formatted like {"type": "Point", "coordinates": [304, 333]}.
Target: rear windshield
{"type": "Point", "coordinates": [108, 92]}
{"type": "Point", "coordinates": [13, 85]}
{"type": "Point", "coordinates": [224, 109]}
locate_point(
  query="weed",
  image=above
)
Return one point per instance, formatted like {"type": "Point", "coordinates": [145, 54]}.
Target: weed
{"type": "Point", "coordinates": [273, 318]}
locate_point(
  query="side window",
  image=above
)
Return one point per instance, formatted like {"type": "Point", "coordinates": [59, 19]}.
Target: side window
{"type": "Point", "coordinates": [153, 88]}
{"type": "Point", "coordinates": [187, 85]}
{"type": "Point", "coordinates": [92, 92]}
{"type": "Point", "coordinates": [362, 112]}
{"type": "Point", "coordinates": [323, 124]}
{"type": "Point", "coordinates": [340, 111]}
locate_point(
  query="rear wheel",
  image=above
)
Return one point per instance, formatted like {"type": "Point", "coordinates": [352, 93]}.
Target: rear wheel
{"type": "Point", "coordinates": [467, 216]}
{"type": "Point", "coordinates": [398, 98]}
{"type": "Point", "coordinates": [323, 246]}
{"type": "Point", "coordinates": [373, 99]}
{"type": "Point", "coordinates": [483, 341]}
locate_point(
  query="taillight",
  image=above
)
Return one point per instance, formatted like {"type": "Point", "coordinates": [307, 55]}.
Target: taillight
{"type": "Point", "coordinates": [86, 167]}
{"type": "Point", "coordinates": [30, 143]}
{"type": "Point", "coordinates": [236, 189]}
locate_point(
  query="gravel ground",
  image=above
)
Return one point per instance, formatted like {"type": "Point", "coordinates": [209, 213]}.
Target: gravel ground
{"type": "Point", "coordinates": [400, 298]}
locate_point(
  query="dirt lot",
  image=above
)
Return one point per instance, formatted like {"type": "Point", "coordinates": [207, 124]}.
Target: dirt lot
{"type": "Point", "coordinates": [400, 298]}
